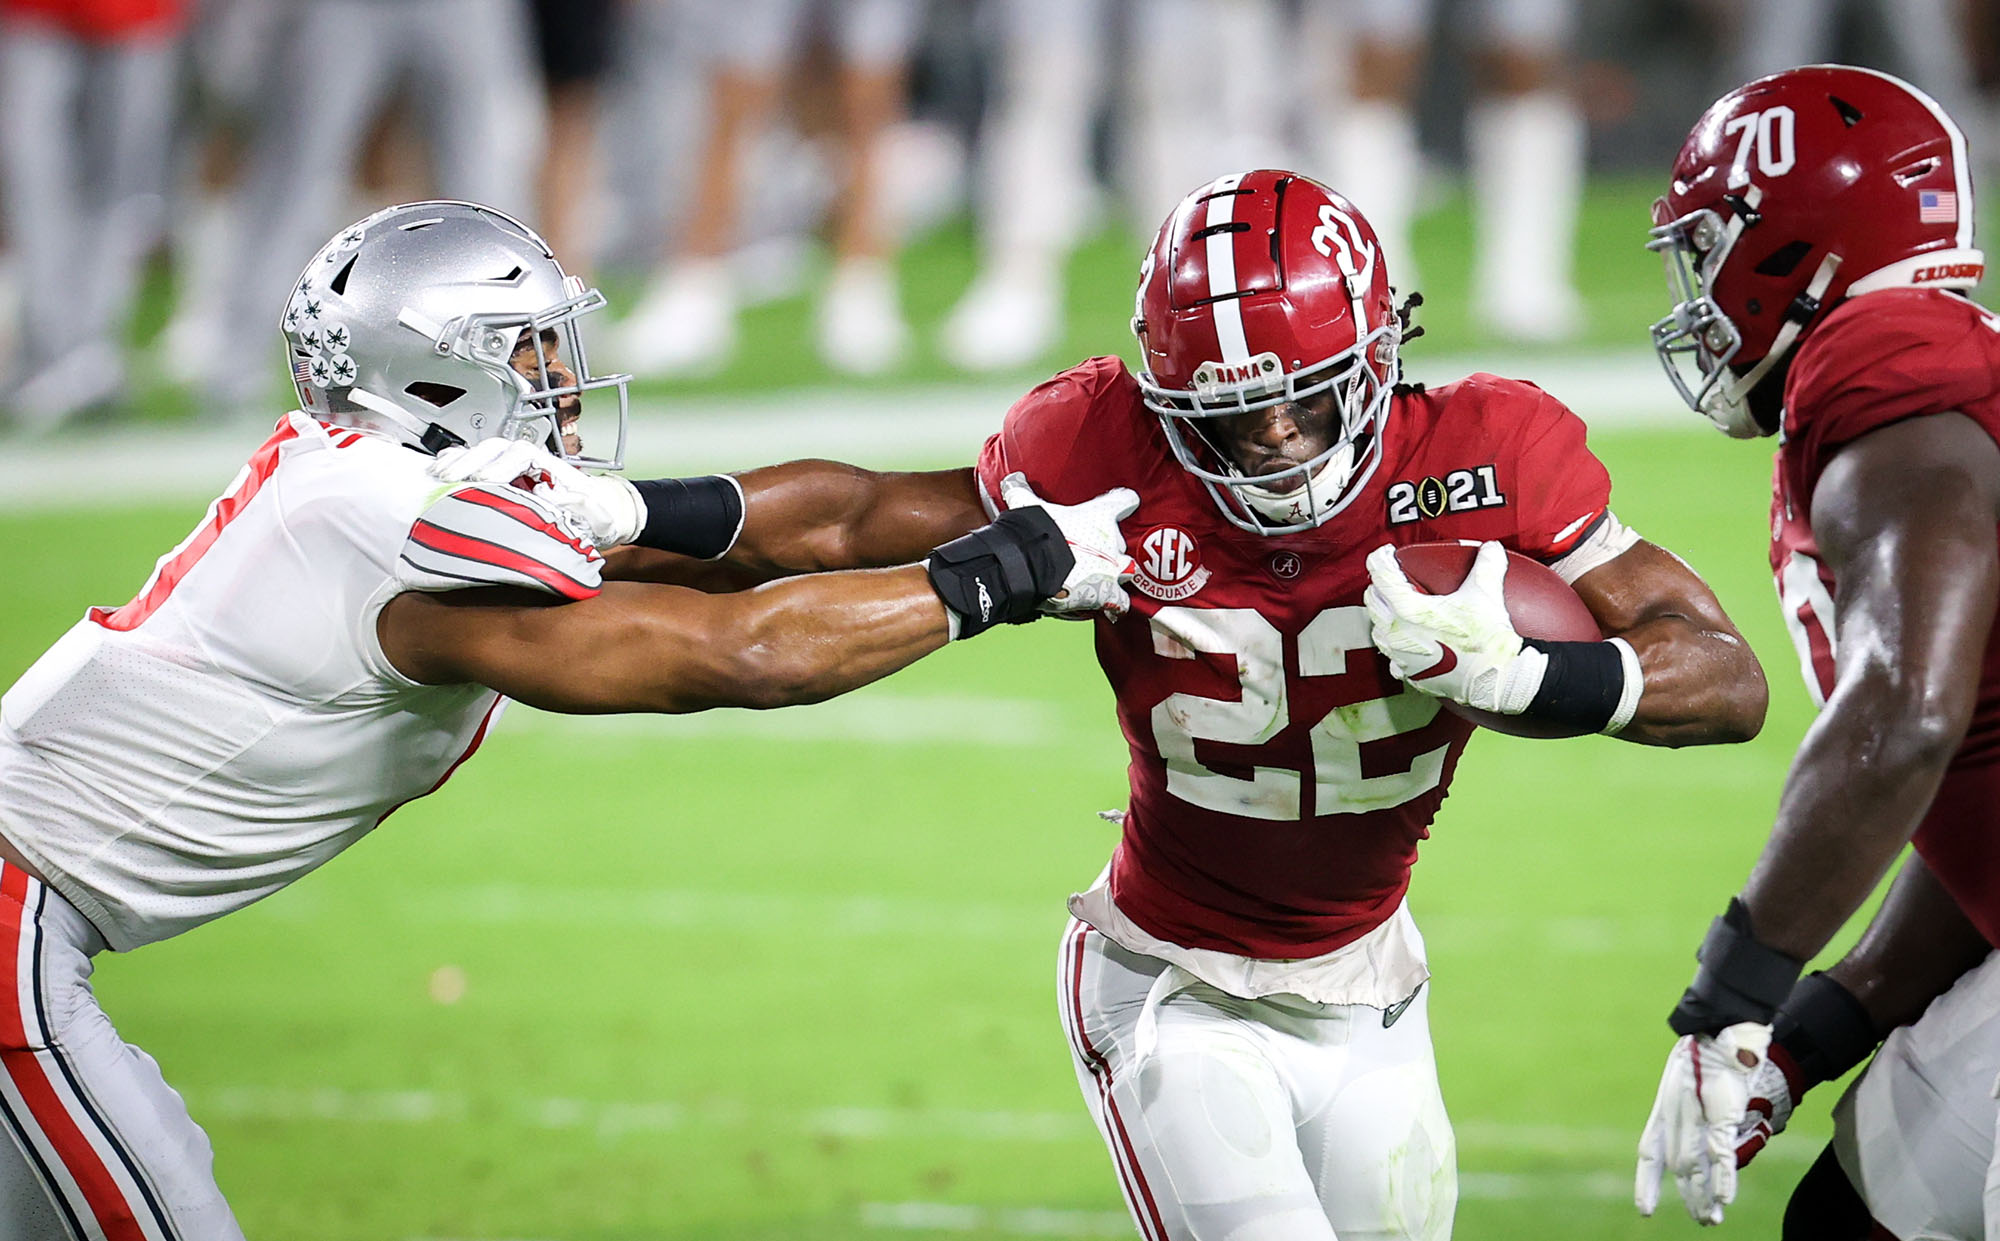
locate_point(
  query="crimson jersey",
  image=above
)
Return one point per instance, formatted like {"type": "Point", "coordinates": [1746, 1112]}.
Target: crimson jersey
{"type": "Point", "coordinates": [1878, 359]}
{"type": "Point", "coordinates": [102, 20]}
{"type": "Point", "coordinates": [1280, 776]}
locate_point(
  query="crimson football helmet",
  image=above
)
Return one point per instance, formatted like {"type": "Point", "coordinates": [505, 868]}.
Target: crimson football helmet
{"type": "Point", "coordinates": [1791, 193]}
{"type": "Point", "coordinates": [1263, 288]}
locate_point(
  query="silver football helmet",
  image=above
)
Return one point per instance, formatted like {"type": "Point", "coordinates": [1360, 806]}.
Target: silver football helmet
{"type": "Point", "coordinates": [410, 321]}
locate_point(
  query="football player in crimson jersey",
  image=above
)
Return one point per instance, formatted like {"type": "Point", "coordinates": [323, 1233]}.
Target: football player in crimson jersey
{"type": "Point", "coordinates": [340, 631]}
{"type": "Point", "coordinates": [1243, 989]}
{"type": "Point", "coordinates": [1818, 235]}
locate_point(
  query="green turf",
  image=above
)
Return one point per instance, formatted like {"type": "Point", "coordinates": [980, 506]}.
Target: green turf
{"type": "Point", "coordinates": [778, 976]}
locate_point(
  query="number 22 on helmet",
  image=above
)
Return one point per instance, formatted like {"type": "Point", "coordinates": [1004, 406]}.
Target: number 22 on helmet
{"type": "Point", "coordinates": [1265, 289]}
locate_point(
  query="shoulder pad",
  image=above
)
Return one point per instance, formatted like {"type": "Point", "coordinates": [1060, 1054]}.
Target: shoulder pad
{"type": "Point", "coordinates": [491, 534]}
{"type": "Point", "coordinates": [1074, 435]}
{"type": "Point", "coordinates": [1886, 356]}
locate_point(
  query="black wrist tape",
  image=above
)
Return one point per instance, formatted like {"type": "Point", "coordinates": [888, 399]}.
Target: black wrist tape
{"type": "Point", "coordinates": [698, 517]}
{"type": "Point", "coordinates": [1582, 687]}
{"type": "Point", "coordinates": [1738, 979]}
{"type": "Point", "coordinates": [999, 572]}
{"type": "Point", "coordinates": [1824, 1028]}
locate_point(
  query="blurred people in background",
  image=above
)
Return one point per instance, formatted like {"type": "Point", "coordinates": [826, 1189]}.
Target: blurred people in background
{"type": "Point", "coordinates": [686, 321]}
{"type": "Point", "coordinates": [232, 47]}
{"type": "Point", "coordinates": [1525, 149]}
{"type": "Point", "coordinates": [1035, 181]}
{"type": "Point", "coordinates": [1054, 67]}
{"type": "Point", "coordinates": [573, 38]}
{"type": "Point", "coordinates": [86, 88]}
{"type": "Point", "coordinates": [749, 132]}
{"type": "Point", "coordinates": [1925, 41]}
{"type": "Point", "coordinates": [466, 70]}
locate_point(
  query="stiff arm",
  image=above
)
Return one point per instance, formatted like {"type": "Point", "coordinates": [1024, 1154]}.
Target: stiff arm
{"type": "Point", "coordinates": [641, 646]}
{"type": "Point", "coordinates": [814, 516]}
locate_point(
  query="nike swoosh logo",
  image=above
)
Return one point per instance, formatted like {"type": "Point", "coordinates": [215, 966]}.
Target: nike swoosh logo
{"type": "Point", "coordinates": [1394, 1011]}
{"type": "Point", "coordinates": [1446, 662]}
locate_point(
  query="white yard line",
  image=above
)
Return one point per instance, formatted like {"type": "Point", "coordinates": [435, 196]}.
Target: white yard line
{"type": "Point", "coordinates": [873, 915]}
{"type": "Point", "coordinates": [904, 427]}
{"type": "Point", "coordinates": [869, 717]}
{"type": "Point", "coordinates": [1594, 1147]}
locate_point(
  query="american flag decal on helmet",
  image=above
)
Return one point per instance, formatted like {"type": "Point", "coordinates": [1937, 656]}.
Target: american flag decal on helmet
{"type": "Point", "coordinates": [1937, 207]}
{"type": "Point", "coordinates": [301, 369]}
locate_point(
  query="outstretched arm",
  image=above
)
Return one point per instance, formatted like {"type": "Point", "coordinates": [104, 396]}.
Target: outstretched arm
{"type": "Point", "coordinates": [640, 646]}
{"type": "Point", "coordinates": [811, 516]}
{"type": "Point", "coordinates": [1703, 683]}
{"type": "Point", "coordinates": [648, 647]}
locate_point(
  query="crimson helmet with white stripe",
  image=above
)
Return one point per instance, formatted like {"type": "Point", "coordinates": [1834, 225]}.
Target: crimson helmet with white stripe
{"type": "Point", "coordinates": [1791, 193]}
{"type": "Point", "coordinates": [1263, 288]}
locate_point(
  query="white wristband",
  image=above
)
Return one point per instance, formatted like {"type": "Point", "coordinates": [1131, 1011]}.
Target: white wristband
{"type": "Point", "coordinates": [1635, 686]}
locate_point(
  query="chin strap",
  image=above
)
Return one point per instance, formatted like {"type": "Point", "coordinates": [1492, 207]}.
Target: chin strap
{"type": "Point", "coordinates": [1801, 312]}
{"type": "Point", "coordinates": [419, 430]}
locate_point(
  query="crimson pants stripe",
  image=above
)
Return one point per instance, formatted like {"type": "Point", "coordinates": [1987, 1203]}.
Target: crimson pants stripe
{"type": "Point", "coordinates": [101, 1206]}
{"type": "Point", "coordinates": [132, 1166]}
{"type": "Point", "coordinates": [1124, 1157]}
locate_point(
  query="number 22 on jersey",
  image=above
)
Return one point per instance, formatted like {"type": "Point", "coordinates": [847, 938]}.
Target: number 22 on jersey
{"type": "Point", "coordinates": [1262, 711]}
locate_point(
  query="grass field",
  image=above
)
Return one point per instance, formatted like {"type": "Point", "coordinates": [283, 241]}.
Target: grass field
{"type": "Point", "coordinates": [742, 976]}
{"type": "Point", "coordinates": [790, 975]}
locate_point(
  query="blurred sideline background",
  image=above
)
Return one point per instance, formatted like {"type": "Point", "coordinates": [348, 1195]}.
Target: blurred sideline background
{"type": "Point", "coordinates": [742, 976]}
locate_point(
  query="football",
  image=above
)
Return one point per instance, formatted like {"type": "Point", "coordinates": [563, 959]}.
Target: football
{"type": "Point", "coordinates": [1539, 602]}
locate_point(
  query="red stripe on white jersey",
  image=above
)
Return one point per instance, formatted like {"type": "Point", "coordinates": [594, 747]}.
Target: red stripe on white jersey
{"type": "Point", "coordinates": [529, 518]}
{"type": "Point", "coordinates": [465, 547]}
{"type": "Point", "coordinates": [67, 1139]}
{"type": "Point", "coordinates": [1124, 1156]}
{"type": "Point", "coordinates": [174, 566]}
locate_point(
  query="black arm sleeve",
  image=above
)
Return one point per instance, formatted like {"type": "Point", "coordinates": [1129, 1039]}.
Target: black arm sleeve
{"type": "Point", "coordinates": [1582, 687]}
{"type": "Point", "coordinates": [698, 517]}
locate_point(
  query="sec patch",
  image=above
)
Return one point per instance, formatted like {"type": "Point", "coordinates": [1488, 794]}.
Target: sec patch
{"type": "Point", "coordinates": [1170, 567]}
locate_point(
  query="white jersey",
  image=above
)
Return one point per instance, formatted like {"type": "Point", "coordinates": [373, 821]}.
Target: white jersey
{"type": "Point", "coordinates": [237, 724]}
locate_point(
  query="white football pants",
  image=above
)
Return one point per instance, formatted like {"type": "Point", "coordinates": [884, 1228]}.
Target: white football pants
{"type": "Point", "coordinates": [1256, 1120]}
{"type": "Point", "coordinates": [99, 1147]}
{"type": "Point", "coordinates": [1915, 1133]}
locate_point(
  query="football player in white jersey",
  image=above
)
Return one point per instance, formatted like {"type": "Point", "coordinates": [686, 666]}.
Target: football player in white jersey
{"type": "Point", "coordinates": [341, 629]}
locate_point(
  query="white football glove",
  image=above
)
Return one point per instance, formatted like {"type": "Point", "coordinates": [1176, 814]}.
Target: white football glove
{"type": "Point", "coordinates": [1460, 646]}
{"type": "Point", "coordinates": [1700, 1110]}
{"type": "Point", "coordinates": [609, 505]}
{"type": "Point", "coordinates": [1769, 1109]}
{"type": "Point", "coordinates": [1096, 584]}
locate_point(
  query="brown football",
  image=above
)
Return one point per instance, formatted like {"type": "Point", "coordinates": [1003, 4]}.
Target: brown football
{"type": "Point", "coordinates": [1540, 604]}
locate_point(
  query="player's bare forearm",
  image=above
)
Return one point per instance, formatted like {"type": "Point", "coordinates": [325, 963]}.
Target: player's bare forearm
{"type": "Point", "coordinates": [645, 647]}
{"type": "Point", "coordinates": [1856, 793]}
{"type": "Point", "coordinates": [811, 516]}
{"type": "Point", "coordinates": [1905, 519]}
{"type": "Point", "coordinates": [1703, 683]}
{"type": "Point", "coordinates": [1916, 946]}
{"type": "Point", "coordinates": [646, 564]}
